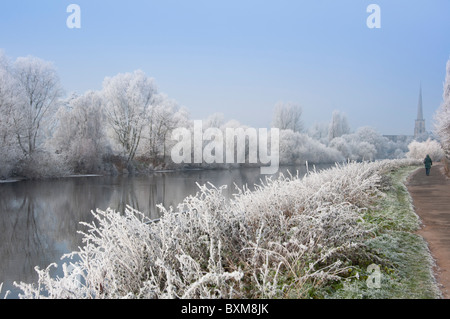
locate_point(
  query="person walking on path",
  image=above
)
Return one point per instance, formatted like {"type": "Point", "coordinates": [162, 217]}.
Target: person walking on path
{"type": "Point", "coordinates": [428, 163]}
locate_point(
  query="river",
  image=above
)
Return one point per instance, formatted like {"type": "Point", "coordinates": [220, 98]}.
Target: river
{"type": "Point", "coordinates": [39, 220]}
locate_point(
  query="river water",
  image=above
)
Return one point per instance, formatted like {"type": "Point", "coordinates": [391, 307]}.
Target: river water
{"type": "Point", "coordinates": [39, 220]}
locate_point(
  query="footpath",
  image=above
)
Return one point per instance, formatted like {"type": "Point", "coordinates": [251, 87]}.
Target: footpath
{"type": "Point", "coordinates": [431, 200]}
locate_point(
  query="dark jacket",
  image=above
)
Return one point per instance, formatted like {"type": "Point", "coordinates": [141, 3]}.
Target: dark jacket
{"type": "Point", "coordinates": [428, 162]}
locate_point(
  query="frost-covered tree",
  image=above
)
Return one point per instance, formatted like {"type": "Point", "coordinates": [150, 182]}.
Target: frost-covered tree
{"type": "Point", "coordinates": [127, 99]}
{"type": "Point", "coordinates": [8, 146]}
{"type": "Point", "coordinates": [298, 148]}
{"type": "Point", "coordinates": [418, 150]}
{"type": "Point", "coordinates": [29, 96]}
{"type": "Point", "coordinates": [38, 90]}
{"type": "Point", "coordinates": [319, 132]}
{"type": "Point", "coordinates": [364, 144]}
{"type": "Point", "coordinates": [338, 125]}
{"type": "Point", "coordinates": [162, 117]}
{"type": "Point", "coordinates": [287, 116]}
{"type": "Point", "coordinates": [366, 151]}
{"type": "Point", "coordinates": [80, 136]}
{"type": "Point", "coordinates": [442, 116]}
{"type": "Point", "coordinates": [342, 145]}
{"type": "Point", "coordinates": [214, 120]}
{"type": "Point", "coordinates": [371, 136]}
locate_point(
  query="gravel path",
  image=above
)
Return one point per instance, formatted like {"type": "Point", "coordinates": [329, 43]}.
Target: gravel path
{"type": "Point", "coordinates": [431, 200]}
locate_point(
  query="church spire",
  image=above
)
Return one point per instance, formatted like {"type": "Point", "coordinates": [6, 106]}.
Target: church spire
{"type": "Point", "coordinates": [419, 107]}
{"type": "Point", "coordinates": [419, 129]}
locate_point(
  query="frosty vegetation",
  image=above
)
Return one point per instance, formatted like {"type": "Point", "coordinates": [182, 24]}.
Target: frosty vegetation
{"type": "Point", "coordinates": [442, 116]}
{"type": "Point", "coordinates": [126, 127]}
{"type": "Point", "coordinates": [287, 238]}
{"type": "Point", "coordinates": [418, 150]}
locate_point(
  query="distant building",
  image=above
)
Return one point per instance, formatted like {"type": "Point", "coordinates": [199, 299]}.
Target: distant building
{"type": "Point", "coordinates": [399, 138]}
{"type": "Point", "coordinates": [419, 129]}
{"type": "Point", "coordinates": [420, 133]}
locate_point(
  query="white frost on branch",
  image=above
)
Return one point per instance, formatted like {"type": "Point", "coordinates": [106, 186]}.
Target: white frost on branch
{"type": "Point", "coordinates": [442, 116]}
{"type": "Point", "coordinates": [418, 150]}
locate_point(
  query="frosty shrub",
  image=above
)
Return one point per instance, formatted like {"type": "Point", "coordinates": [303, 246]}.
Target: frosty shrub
{"type": "Point", "coordinates": [418, 150]}
{"type": "Point", "coordinates": [297, 148]}
{"type": "Point", "coordinates": [288, 236]}
{"type": "Point", "coordinates": [367, 144]}
{"type": "Point", "coordinates": [442, 115]}
{"type": "Point", "coordinates": [42, 164]}
{"type": "Point", "coordinates": [80, 121]}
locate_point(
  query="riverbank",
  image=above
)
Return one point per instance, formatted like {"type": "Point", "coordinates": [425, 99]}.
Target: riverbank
{"type": "Point", "coordinates": [407, 270]}
{"type": "Point", "coordinates": [315, 237]}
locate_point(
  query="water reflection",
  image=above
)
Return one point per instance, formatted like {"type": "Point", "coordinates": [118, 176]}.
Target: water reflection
{"type": "Point", "coordinates": [39, 220]}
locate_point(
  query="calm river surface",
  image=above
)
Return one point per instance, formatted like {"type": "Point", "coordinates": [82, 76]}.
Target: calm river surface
{"type": "Point", "coordinates": [39, 220]}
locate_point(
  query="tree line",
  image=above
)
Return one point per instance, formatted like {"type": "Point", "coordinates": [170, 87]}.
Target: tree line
{"type": "Point", "coordinates": [45, 134]}
{"type": "Point", "coordinates": [126, 127]}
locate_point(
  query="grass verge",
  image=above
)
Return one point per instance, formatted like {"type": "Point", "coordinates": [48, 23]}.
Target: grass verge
{"type": "Point", "coordinates": [406, 266]}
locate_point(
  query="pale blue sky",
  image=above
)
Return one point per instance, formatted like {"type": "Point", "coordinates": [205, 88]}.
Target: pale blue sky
{"type": "Point", "coordinates": [241, 57]}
